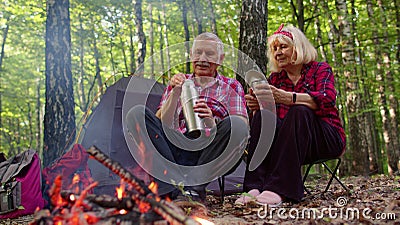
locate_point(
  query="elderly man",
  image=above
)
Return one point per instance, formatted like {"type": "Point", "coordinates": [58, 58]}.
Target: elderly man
{"type": "Point", "coordinates": [221, 106]}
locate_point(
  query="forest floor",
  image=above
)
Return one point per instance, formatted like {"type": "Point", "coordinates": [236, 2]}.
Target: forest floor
{"type": "Point", "coordinates": [374, 200]}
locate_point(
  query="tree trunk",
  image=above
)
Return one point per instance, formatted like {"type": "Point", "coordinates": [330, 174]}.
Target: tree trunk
{"type": "Point", "coordinates": [132, 64]}
{"type": "Point", "coordinates": [390, 110]}
{"type": "Point", "coordinates": [340, 81]}
{"type": "Point", "coordinates": [298, 13]}
{"type": "Point", "coordinates": [3, 44]}
{"type": "Point", "coordinates": [137, 4]}
{"type": "Point", "coordinates": [151, 37]}
{"type": "Point", "coordinates": [397, 9]}
{"type": "Point", "coordinates": [5, 33]}
{"type": "Point", "coordinates": [253, 36]}
{"type": "Point", "coordinates": [376, 160]}
{"type": "Point", "coordinates": [197, 15]}
{"type": "Point", "coordinates": [319, 35]}
{"type": "Point", "coordinates": [81, 90]}
{"type": "Point", "coordinates": [97, 62]}
{"type": "Point", "coordinates": [59, 118]}
{"type": "Point", "coordinates": [38, 119]}
{"type": "Point", "coordinates": [187, 34]}
{"type": "Point", "coordinates": [31, 135]}
{"type": "Point", "coordinates": [161, 48]}
{"type": "Point", "coordinates": [125, 59]}
{"type": "Point", "coordinates": [212, 17]}
{"type": "Point", "coordinates": [166, 41]}
{"type": "Point", "coordinates": [357, 135]}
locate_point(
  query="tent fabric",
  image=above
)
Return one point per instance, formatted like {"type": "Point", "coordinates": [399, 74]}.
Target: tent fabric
{"type": "Point", "coordinates": [233, 182]}
{"type": "Point", "coordinates": [104, 129]}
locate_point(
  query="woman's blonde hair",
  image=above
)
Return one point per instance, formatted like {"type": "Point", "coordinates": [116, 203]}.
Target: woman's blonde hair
{"type": "Point", "coordinates": [291, 36]}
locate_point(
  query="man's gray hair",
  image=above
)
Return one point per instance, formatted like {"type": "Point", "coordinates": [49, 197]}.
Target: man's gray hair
{"type": "Point", "coordinates": [211, 37]}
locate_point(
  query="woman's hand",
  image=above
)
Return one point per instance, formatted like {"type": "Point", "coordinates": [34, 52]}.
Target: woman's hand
{"type": "Point", "coordinates": [281, 96]}
{"type": "Point", "coordinates": [260, 97]}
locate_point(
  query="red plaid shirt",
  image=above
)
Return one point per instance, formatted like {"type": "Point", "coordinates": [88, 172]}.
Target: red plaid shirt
{"type": "Point", "coordinates": [224, 96]}
{"type": "Point", "coordinates": [317, 80]}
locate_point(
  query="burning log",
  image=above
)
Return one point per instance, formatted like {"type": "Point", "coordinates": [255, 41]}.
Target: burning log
{"type": "Point", "coordinates": [145, 196]}
{"type": "Point", "coordinates": [125, 175]}
{"type": "Point", "coordinates": [105, 201]}
{"type": "Point", "coordinates": [73, 209]}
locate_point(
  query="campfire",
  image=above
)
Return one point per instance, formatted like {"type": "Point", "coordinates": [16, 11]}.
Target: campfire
{"type": "Point", "coordinates": [134, 202]}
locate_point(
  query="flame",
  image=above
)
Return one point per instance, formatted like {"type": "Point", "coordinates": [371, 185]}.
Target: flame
{"type": "Point", "coordinates": [202, 221]}
{"type": "Point", "coordinates": [72, 197]}
{"type": "Point", "coordinates": [123, 212]}
{"type": "Point", "coordinates": [120, 190]}
{"type": "Point", "coordinates": [75, 179]}
{"type": "Point", "coordinates": [153, 186]}
{"type": "Point", "coordinates": [74, 186]}
{"type": "Point", "coordinates": [144, 207]}
{"type": "Point", "coordinates": [91, 219]}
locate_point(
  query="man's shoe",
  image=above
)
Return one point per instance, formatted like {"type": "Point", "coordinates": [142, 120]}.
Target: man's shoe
{"type": "Point", "coordinates": [190, 196]}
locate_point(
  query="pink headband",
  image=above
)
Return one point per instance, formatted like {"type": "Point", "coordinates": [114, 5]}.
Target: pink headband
{"type": "Point", "coordinates": [287, 34]}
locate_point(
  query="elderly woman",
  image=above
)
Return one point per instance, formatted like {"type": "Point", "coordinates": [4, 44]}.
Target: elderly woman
{"type": "Point", "coordinates": [308, 126]}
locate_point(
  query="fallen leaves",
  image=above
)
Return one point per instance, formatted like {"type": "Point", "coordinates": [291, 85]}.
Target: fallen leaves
{"type": "Point", "coordinates": [374, 200]}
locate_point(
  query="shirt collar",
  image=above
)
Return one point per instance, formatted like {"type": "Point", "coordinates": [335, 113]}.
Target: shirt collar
{"type": "Point", "coordinates": [217, 80]}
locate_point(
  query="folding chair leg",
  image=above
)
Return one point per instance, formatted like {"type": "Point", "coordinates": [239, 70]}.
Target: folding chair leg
{"type": "Point", "coordinates": [305, 178]}
{"type": "Point", "coordinates": [221, 183]}
{"type": "Point", "coordinates": [333, 175]}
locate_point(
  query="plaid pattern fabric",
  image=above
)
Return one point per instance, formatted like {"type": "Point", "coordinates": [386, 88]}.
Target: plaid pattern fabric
{"type": "Point", "coordinates": [317, 79]}
{"type": "Point", "coordinates": [224, 96]}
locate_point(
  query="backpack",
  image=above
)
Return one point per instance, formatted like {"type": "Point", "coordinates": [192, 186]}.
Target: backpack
{"type": "Point", "coordinates": [20, 190]}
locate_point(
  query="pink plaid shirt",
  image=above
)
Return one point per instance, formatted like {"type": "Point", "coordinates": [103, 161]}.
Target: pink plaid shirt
{"type": "Point", "coordinates": [224, 96]}
{"type": "Point", "coordinates": [318, 81]}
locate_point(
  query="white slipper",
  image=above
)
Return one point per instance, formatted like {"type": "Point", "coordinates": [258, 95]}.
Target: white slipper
{"type": "Point", "coordinates": [269, 198]}
{"type": "Point", "coordinates": [248, 197]}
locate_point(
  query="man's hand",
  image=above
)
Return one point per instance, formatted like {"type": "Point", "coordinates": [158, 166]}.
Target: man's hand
{"type": "Point", "coordinates": [177, 80]}
{"type": "Point", "coordinates": [167, 111]}
{"type": "Point", "coordinates": [202, 109]}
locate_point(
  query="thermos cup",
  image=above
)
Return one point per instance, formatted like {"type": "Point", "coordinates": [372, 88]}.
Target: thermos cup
{"type": "Point", "coordinates": [189, 96]}
{"type": "Point", "coordinates": [254, 78]}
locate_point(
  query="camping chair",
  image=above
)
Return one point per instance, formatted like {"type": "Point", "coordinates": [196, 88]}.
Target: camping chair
{"type": "Point", "coordinates": [332, 173]}
{"type": "Point", "coordinates": [221, 183]}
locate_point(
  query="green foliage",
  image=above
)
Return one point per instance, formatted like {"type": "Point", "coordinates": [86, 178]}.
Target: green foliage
{"type": "Point", "coordinates": [106, 27]}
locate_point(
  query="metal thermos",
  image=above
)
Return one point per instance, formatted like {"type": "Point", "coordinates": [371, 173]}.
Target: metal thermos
{"type": "Point", "coordinates": [189, 96]}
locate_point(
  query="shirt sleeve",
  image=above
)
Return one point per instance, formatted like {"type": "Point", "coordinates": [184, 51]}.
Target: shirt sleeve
{"type": "Point", "coordinates": [324, 94]}
{"type": "Point", "coordinates": [165, 96]}
{"type": "Point", "coordinates": [237, 100]}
